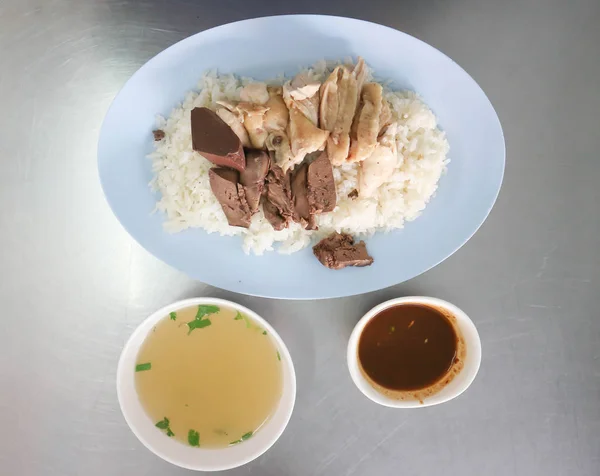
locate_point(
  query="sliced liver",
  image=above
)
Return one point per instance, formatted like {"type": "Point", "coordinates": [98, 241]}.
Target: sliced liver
{"type": "Point", "coordinates": [279, 195]}
{"type": "Point", "coordinates": [215, 140]}
{"type": "Point", "coordinates": [272, 215]}
{"type": "Point", "coordinates": [338, 250]}
{"type": "Point", "coordinates": [299, 187]}
{"type": "Point", "coordinates": [231, 195]}
{"type": "Point", "coordinates": [253, 177]}
{"type": "Point", "coordinates": [321, 186]}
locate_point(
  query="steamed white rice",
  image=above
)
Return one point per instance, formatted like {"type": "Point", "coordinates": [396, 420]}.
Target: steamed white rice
{"type": "Point", "coordinates": [181, 175]}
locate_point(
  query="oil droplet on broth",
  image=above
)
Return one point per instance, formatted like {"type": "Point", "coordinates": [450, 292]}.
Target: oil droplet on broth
{"type": "Point", "coordinates": [213, 383]}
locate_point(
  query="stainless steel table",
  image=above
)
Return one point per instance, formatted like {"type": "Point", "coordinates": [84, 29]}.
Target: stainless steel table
{"type": "Point", "coordinates": [74, 285]}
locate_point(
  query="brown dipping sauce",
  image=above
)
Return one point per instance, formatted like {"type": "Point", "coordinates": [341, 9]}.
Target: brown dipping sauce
{"type": "Point", "coordinates": [410, 347]}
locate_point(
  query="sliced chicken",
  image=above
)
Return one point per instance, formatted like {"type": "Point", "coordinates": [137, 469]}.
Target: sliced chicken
{"type": "Point", "coordinates": [365, 128]}
{"type": "Point", "coordinates": [360, 74]}
{"type": "Point", "coordinates": [376, 169]}
{"type": "Point", "coordinates": [385, 118]}
{"type": "Point", "coordinates": [302, 99]}
{"type": "Point", "coordinates": [276, 123]}
{"type": "Point", "coordinates": [305, 137]}
{"type": "Point", "coordinates": [301, 93]}
{"type": "Point", "coordinates": [251, 115]}
{"type": "Point", "coordinates": [255, 93]}
{"type": "Point", "coordinates": [277, 117]}
{"type": "Point", "coordinates": [254, 116]}
{"type": "Point", "coordinates": [337, 108]}
{"type": "Point", "coordinates": [279, 143]}
{"type": "Point", "coordinates": [330, 102]}
{"type": "Point", "coordinates": [236, 122]}
{"type": "Point", "coordinates": [302, 87]}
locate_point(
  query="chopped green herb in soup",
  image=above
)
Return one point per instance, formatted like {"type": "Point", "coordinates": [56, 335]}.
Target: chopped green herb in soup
{"type": "Point", "coordinates": [206, 379]}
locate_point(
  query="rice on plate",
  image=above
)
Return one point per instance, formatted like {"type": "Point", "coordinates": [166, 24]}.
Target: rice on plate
{"type": "Point", "coordinates": [181, 174]}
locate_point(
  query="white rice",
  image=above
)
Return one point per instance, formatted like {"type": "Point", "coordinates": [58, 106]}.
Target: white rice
{"type": "Point", "coordinates": [181, 175]}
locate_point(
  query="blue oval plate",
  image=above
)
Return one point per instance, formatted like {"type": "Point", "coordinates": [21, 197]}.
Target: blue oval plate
{"type": "Point", "coordinates": [465, 196]}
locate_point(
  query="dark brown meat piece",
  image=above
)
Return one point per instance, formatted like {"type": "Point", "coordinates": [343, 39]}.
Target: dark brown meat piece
{"type": "Point", "coordinates": [278, 193]}
{"type": "Point", "coordinates": [159, 134]}
{"type": "Point", "coordinates": [321, 186]}
{"type": "Point", "coordinates": [253, 177]}
{"type": "Point", "coordinates": [272, 214]}
{"type": "Point", "coordinates": [299, 187]}
{"type": "Point", "coordinates": [215, 140]}
{"type": "Point", "coordinates": [230, 194]}
{"type": "Point", "coordinates": [353, 194]}
{"type": "Point", "coordinates": [338, 250]}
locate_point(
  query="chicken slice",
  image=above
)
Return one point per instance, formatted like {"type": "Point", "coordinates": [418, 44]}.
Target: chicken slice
{"type": "Point", "coordinates": [360, 74]}
{"type": "Point", "coordinates": [250, 109]}
{"type": "Point", "coordinates": [329, 106]}
{"type": "Point", "coordinates": [301, 93]}
{"type": "Point", "coordinates": [254, 116]}
{"type": "Point", "coordinates": [365, 128]}
{"type": "Point", "coordinates": [235, 121]}
{"type": "Point", "coordinates": [277, 117]}
{"type": "Point", "coordinates": [337, 108]}
{"type": "Point", "coordinates": [376, 169]}
{"type": "Point", "coordinates": [305, 137]}
{"type": "Point", "coordinates": [302, 87]}
{"type": "Point", "coordinates": [255, 93]}
{"type": "Point", "coordinates": [302, 99]}
{"type": "Point", "coordinates": [279, 143]}
{"type": "Point", "coordinates": [385, 118]}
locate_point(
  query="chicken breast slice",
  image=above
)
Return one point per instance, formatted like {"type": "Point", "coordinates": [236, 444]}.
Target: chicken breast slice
{"type": "Point", "coordinates": [360, 74]}
{"type": "Point", "coordinates": [235, 121]}
{"type": "Point", "coordinates": [337, 108]}
{"type": "Point", "coordinates": [254, 116]}
{"type": "Point", "coordinates": [377, 169]}
{"type": "Point", "coordinates": [305, 137]}
{"type": "Point", "coordinates": [365, 128]}
{"type": "Point", "coordinates": [385, 118]}
{"type": "Point", "coordinates": [302, 87]}
{"type": "Point", "coordinates": [279, 143]}
{"type": "Point", "coordinates": [277, 117]}
{"type": "Point", "coordinates": [301, 93]}
{"type": "Point", "coordinates": [255, 93]}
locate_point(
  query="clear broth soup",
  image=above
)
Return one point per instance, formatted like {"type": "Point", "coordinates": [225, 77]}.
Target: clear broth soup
{"type": "Point", "coordinates": [209, 376]}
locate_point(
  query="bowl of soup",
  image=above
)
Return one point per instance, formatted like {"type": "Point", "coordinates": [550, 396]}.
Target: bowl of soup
{"type": "Point", "coordinates": [206, 384]}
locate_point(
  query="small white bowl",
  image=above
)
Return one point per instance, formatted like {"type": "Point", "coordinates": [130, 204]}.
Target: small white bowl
{"type": "Point", "coordinates": [174, 452]}
{"type": "Point", "coordinates": [457, 386]}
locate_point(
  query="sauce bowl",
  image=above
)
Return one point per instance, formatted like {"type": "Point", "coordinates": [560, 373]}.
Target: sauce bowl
{"type": "Point", "coordinates": [458, 385]}
{"type": "Point", "coordinates": [177, 453]}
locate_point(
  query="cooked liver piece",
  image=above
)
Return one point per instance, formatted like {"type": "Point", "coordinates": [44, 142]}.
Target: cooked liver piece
{"type": "Point", "coordinates": [215, 140]}
{"type": "Point", "coordinates": [273, 216]}
{"type": "Point", "coordinates": [279, 195]}
{"type": "Point", "coordinates": [338, 251]}
{"type": "Point", "coordinates": [231, 196]}
{"type": "Point", "coordinates": [253, 177]}
{"type": "Point", "coordinates": [321, 186]}
{"type": "Point", "coordinates": [299, 187]}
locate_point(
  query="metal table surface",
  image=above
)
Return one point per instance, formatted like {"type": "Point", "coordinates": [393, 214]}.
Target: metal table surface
{"type": "Point", "coordinates": [74, 285]}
